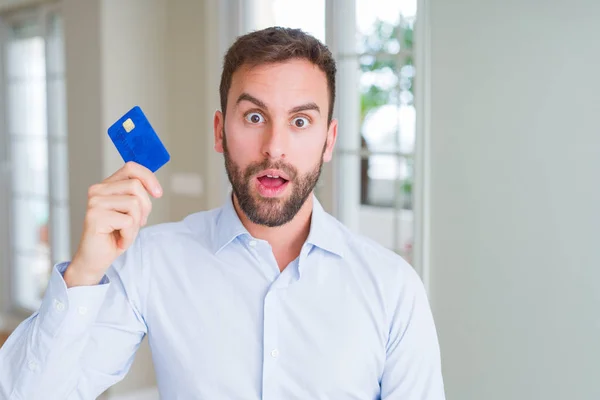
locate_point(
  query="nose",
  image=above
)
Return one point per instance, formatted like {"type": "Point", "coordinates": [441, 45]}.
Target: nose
{"type": "Point", "coordinates": [275, 143]}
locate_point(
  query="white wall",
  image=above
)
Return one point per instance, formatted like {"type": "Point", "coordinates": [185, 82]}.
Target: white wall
{"type": "Point", "coordinates": [515, 141]}
{"type": "Point", "coordinates": [189, 132]}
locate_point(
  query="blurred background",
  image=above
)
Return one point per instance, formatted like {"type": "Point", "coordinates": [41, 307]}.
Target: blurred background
{"type": "Point", "coordinates": [469, 143]}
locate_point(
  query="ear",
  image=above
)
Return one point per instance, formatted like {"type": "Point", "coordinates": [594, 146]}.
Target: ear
{"type": "Point", "coordinates": [331, 138]}
{"type": "Point", "coordinates": [218, 123]}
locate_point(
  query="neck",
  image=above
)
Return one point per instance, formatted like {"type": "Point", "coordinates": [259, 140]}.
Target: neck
{"type": "Point", "coordinates": [285, 240]}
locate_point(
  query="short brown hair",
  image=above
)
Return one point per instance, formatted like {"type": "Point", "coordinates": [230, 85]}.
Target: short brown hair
{"type": "Point", "coordinates": [272, 45]}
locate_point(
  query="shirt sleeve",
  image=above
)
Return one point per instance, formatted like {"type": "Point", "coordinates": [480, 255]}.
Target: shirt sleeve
{"type": "Point", "coordinates": [413, 367]}
{"type": "Point", "coordinates": [82, 339]}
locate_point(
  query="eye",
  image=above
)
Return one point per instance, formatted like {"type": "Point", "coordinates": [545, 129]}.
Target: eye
{"type": "Point", "coordinates": [300, 122]}
{"type": "Point", "coordinates": [254, 118]}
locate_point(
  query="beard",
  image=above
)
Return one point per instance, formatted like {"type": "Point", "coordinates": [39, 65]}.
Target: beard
{"type": "Point", "coordinates": [270, 212]}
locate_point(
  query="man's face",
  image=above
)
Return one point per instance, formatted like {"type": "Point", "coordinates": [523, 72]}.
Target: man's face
{"type": "Point", "coordinates": [275, 138]}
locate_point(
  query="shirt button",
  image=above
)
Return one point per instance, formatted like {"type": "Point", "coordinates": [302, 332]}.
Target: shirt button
{"type": "Point", "coordinates": [274, 353]}
{"type": "Point", "coordinates": [32, 365]}
{"type": "Point", "coordinates": [82, 310]}
{"type": "Point", "coordinates": [60, 306]}
{"type": "Point", "coordinates": [252, 243]}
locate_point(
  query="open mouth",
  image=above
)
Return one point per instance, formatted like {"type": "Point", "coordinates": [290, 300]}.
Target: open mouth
{"type": "Point", "coordinates": [272, 183]}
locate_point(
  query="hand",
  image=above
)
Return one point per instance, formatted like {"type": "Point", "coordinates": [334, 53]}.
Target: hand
{"type": "Point", "coordinates": [117, 208]}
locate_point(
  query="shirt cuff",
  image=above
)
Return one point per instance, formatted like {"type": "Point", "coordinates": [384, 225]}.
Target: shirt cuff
{"type": "Point", "coordinates": [70, 310]}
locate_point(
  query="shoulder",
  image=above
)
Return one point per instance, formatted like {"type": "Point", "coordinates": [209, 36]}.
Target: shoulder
{"type": "Point", "coordinates": [155, 247]}
{"type": "Point", "coordinates": [169, 239]}
{"type": "Point", "coordinates": [386, 278]}
{"type": "Point", "coordinates": [366, 256]}
{"type": "Point", "coordinates": [373, 254]}
{"type": "Point", "coordinates": [197, 226]}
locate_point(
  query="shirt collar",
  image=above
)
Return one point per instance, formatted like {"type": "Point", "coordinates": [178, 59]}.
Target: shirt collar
{"type": "Point", "coordinates": [228, 226]}
{"type": "Point", "coordinates": [324, 230]}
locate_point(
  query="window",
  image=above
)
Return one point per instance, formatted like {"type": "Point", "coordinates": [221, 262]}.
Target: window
{"type": "Point", "coordinates": [372, 41]}
{"type": "Point", "coordinates": [387, 120]}
{"type": "Point", "coordinates": [387, 113]}
{"type": "Point", "coordinates": [34, 130]}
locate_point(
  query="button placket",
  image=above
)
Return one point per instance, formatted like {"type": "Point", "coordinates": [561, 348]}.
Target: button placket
{"type": "Point", "coordinates": [271, 339]}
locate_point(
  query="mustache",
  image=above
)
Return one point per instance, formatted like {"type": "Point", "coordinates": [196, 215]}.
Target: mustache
{"type": "Point", "coordinates": [256, 167]}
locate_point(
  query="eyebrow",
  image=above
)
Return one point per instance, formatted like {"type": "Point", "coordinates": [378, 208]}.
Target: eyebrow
{"type": "Point", "coordinates": [261, 104]}
{"type": "Point", "coordinates": [251, 99]}
{"type": "Point", "coordinates": [306, 107]}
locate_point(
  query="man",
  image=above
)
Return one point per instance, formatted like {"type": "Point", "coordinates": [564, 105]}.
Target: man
{"type": "Point", "coordinates": [268, 297]}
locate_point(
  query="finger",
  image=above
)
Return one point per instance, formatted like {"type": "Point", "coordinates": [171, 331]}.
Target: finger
{"type": "Point", "coordinates": [131, 187]}
{"type": "Point", "coordinates": [103, 221]}
{"type": "Point", "coordinates": [135, 170]}
{"type": "Point", "coordinates": [127, 236]}
{"type": "Point", "coordinates": [131, 205]}
{"type": "Point", "coordinates": [114, 222]}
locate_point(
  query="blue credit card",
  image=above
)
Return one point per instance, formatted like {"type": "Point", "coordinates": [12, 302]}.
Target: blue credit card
{"type": "Point", "coordinates": [136, 140]}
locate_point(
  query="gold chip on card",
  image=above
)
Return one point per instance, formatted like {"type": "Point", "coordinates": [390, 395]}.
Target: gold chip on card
{"type": "Point", "coordinates": [128, 125]}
